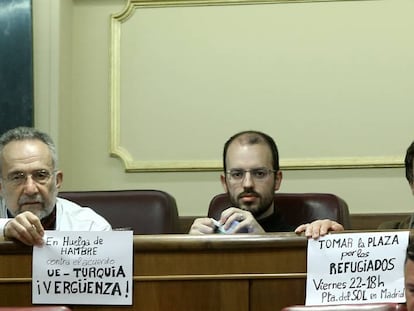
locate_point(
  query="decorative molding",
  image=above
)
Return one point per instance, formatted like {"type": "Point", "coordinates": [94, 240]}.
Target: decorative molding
{"type": "Point", "coordinates": [46, 58]}
{"type": "Point", "coordinates": [289, 164]}
{"type": "Point", "coordinates": [133, 165]}
{"type": "Point", "coordinates": [132, 4]}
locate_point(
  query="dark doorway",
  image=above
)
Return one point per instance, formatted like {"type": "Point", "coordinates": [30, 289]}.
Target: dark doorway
{"type": "Point", "coordinates": [16, 64]}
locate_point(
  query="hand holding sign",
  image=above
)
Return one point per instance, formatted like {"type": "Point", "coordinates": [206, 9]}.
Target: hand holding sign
{"type": "Point", "coordinates": [356, 268]}
{"type": "Point", "coordinates": [83, 268]}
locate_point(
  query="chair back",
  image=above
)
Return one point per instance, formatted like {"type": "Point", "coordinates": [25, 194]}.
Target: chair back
{"type": "Point", "coordinates": [143, 211]}
{"type": "Point", "coordinates": [297, 208]}
{"type": "Point", "coordinates": [351, 307]}
{"type": "Point", "coordinates": [36, 308]}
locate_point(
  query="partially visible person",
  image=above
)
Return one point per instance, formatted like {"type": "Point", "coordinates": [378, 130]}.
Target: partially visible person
{"type": "Point", "coordinates": [409, 277]}
{"type": "Point", "coordinates": [251, 177]}
{"type": "Point", "coordinates": [29, 183]}
{"type": "Point", "coordinates": [408, 222]}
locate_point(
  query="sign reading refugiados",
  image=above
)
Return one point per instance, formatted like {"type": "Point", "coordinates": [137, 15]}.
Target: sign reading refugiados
{"type": "Point", "coordinates": [351, 268]}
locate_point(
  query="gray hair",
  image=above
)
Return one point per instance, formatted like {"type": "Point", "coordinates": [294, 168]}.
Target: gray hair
{"type": "Point", "coordinates": [27, 133]}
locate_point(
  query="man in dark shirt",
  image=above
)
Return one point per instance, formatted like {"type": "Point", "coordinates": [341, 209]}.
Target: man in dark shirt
{"type": "Point", "coordinates": [408, 222]}
{"type": "Point", "coordinates": [251, 176]}
{"type": "Point", "coordinates": [409, 277]}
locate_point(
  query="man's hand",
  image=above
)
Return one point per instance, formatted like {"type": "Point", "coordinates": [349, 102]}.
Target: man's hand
{"type": "Point", "coordinates": [319, 228]}
{"type": "Point", "coordinates": [25, 227]}
{"type": "Point", "coordinates": [247, 223]}
{"type": "Point", "coordinates": [202, 226]}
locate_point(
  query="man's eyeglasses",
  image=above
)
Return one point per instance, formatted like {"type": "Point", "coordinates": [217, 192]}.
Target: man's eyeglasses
{"type": "Point", "coordinates": [258, 174]}
{"type": "Point", "coordinates": [38, 176]}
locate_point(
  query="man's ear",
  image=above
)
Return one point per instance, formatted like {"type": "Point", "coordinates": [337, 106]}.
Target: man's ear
{"type": "Point", "coordinates": [278, 180]}
{"type": "Point", "coordinates": [223, 183]}
{"type": "Point", "coordinates": [59, 179]}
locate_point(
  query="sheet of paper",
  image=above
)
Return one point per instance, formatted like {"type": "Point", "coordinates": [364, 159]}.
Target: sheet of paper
{"type": "Point", "coordinates": [83, 268]}
{"type": "Point", "coordinates": [356, 268]}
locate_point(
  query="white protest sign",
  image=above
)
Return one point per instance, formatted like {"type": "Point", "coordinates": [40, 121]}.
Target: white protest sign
{"type": "Point", "coordinates": [83, 268]}
{"type": "Point", "coordinates": [356, 268]}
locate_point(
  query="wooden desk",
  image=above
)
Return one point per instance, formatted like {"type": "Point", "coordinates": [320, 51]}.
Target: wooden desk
{"type": "Point", "coordinates": [183, 272]}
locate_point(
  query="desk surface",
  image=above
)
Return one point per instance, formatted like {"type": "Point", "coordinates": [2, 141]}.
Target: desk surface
{"type": "Point", "coordinates": [188, 272]}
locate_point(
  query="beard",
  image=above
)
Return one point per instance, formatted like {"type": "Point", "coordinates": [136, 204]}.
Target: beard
{"type": "Point", "coordinates": [257, 206]}
{"type": "Point", "coordinates": [35, 204]}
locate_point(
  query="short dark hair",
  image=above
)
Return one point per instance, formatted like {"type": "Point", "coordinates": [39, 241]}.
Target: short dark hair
{"type": "Point", "coordinates": [409, 157]}
{"type": "Point", "coordinates": [27, 133]}
{"type": "Point", "coordinates": [252, 138]}
{"type": "Point", "coordinates": [410, 251]}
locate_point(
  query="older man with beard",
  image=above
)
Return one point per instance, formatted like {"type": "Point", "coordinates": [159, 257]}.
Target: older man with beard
{"type": "Point", "coordinates": [29, 183]}
{"type": "Point", "coordinates": [251, 176]}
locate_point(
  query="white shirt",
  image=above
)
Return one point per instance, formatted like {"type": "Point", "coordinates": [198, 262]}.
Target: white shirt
{"type": "Point", "coordinates": [69, 217]}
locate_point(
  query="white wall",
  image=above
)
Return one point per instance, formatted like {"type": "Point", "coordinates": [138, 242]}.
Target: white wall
{"type": "Point", "coordinates": [372, 97]}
